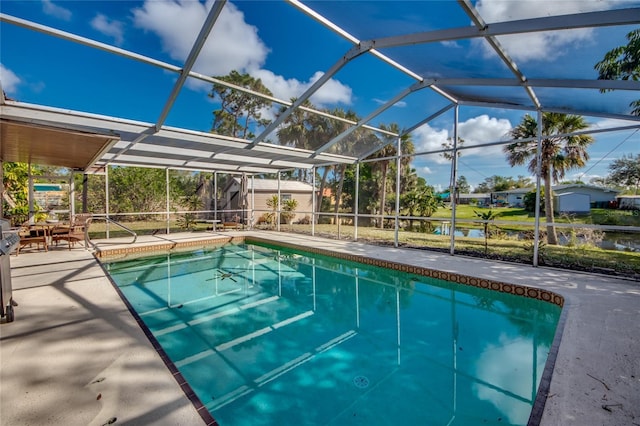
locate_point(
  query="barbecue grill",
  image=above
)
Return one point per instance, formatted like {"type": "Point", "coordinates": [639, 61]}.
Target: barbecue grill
{"type": "Point", "coordinates": [8, 242]}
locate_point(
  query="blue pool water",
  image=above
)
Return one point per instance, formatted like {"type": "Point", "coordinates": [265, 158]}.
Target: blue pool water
{"type": "Point", "coordinates": [271, 337]}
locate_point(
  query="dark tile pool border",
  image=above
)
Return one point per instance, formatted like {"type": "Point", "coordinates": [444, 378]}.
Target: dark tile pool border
{"type": "Point", "coordinates": [510, 288]}
{"type": "Point", "coordinates": [179, 378]}
{"type": "Point", "coordinates": [545, 381]}
{"type": "Point", "coordinates": [517, 289]}
{"type": "Point", "coordinates": [144, 249]}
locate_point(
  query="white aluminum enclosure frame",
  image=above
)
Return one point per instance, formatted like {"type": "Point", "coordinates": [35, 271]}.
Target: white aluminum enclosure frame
{"type": "Point", "coordinates": [154, 144]}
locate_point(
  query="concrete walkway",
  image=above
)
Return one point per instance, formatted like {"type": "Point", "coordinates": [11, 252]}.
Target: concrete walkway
{"type": "Point", "coordinates": [76, 356]}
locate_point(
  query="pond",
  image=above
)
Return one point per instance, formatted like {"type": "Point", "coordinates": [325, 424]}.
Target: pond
{"type": "Point", "coordinates": [610, 240]}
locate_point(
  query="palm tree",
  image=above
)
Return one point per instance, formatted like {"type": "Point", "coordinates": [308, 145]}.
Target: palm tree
{"type": "Point", "coordinates": [384, 154]}
{"type": "Point", "coordinates": [296, 131]}
{"type": "Point", "coordinates": [273, 203]}
{"type": "Point", "coordinates": [289, 209]}
{"type": "Point", "coordinates": [389, 150]}
{"type": "Point", "coordinates": [560, 152]}
{"type": "Point", "coordinates": [422, 200]}
{"type": "Point", "coordinates": [323, 129]}
{"type": "Point", "coordinates": [486, 216]}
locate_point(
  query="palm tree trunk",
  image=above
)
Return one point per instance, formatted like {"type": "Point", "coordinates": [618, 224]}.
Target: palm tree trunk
{"type": "Point", "coordinates": [552, 237]}
{"type": "Point", "coordinates": [339, 189]}
{"type": "Point", "coordinates": [323, 182]}
{"type": "Point", "coordinates": [383, 192]}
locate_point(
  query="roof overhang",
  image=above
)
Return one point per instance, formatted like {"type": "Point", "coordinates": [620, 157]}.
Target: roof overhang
{"type": "Point", "coordinates": [50, 145]}
{"type": "Point", "coordinates": [82, 141]}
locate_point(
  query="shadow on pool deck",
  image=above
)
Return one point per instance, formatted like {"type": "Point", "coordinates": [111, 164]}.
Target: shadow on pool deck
{"type": "Point", "coordinates": [75, 355]}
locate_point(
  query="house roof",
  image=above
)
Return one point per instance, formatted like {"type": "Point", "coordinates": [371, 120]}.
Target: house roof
{"type": "Point", "coordinates": [514, 191]}
{"type": "Point", "coordinates": [563, 187]}
{"type": "Point", "coordinates": [474, 195]}
{"type": "Point", "coordinates": [580, 185]}
{"type": "Point", "coordinates": [564, 194]}
{"type": "Point", "coordinates": [263, 185]}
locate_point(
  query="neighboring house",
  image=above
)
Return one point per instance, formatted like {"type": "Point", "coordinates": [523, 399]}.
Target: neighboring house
{"type": "Point", "coordinates": [599, 196]}
{"type": "Point", "coordinates": [265, 189]}
{"type": "Point", "coordinates": [478, 199]}
{"type": "Point", "coordinates": [510, 197]}
{"type": "Point", "coordinates": [572, 202]}
{"type": "Point", "coordinates": [629, 202]}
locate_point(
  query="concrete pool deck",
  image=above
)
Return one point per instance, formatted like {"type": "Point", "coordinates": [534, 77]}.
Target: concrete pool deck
{"type": "Point", "coordinates": [75, 355]}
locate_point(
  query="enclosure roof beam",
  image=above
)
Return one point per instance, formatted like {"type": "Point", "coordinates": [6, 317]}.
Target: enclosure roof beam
{"type": "Point", "coordinates": [211, 19]}
{"type": "Point", "coordinates": [540, 82]}
{"type": "Point", "coordinates": [523, 26]}
{"type": "Point", "coordinates": [414, 87]}
{"type": "Point", "coordinates": [495, 44]}
{"type": "Point", "coordinates": [212, 16]}
{"type": "Point", "coordinates": [428, 119]}
{"type": "Point", "coordinates": [354, 52]}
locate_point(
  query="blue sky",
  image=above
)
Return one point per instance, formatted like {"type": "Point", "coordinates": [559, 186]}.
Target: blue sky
{"type": "Point", "coordinates": [288, 50]}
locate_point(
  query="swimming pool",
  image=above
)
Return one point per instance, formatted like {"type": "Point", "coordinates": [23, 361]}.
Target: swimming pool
{"type": "Point", "coordinates": [266, 335]}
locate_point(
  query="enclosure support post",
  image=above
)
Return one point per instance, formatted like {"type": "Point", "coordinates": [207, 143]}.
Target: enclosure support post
{"type": "Point", "coordinates": [1, 188]}
{"type": "Point", "coordinates": [85, 193]}
{"type": "Point", "coordinates": [243, 199]}
{"type": "Point", "coordinates": [106, 201]}
{"type": "Point", "coordinates": [313, 201]}
{"type": "Point", "coordinates": [166, 179]}
{"type": "Point", "coordinates": [72, 195]}
{"type": "Point", "coordinates": [31, 203]}
{"type": "Point", "coordinates": [357, 202]}
{"type": "Point", "coordinates": [279, 204]}
{"type": "Point", "coordinates": [253, 201]}
{"type": "Point", "coordinates": [536, 231]}
{"type": "Point", "coordinates": [215, 196]}
{"type": "Point", "coordinates": [454, 177]}
{"type": "Point", "coordinates": [398, 174]}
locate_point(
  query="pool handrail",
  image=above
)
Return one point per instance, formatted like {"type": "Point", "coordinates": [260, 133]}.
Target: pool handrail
{"type": "Point", "coordinates": [109, 220]}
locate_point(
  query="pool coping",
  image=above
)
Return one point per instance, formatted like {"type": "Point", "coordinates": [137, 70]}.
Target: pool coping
{"type": "Point", "coordinates": [520, 290]}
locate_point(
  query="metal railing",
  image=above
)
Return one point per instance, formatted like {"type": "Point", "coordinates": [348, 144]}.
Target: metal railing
{"type": "Point", "coordinates": [108, 221]}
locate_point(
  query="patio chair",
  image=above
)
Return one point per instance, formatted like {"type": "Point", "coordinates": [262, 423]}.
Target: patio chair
{"type": "Point", "coordinates": [32, 235]}
{"type": "Point", "coordinates": [73, 232]}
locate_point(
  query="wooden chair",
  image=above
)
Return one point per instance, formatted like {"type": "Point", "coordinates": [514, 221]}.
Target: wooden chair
{"type": "Point", "coordinates": [74, 232]}
{"type": "Point", "coordinates": [32, 235]}
{"type": "Point", "coordinates": [230, 225]}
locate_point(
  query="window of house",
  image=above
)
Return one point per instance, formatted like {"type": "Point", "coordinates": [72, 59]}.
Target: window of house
{"type": "Point", "coordinates": [285, 197]}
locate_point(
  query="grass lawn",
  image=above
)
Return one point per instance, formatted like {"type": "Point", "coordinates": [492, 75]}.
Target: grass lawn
{"type": "Point", "coordinates": [596, 216]}
{"type": "Point", "coordinates": [502, 246]}
{"type": "Point", "coordinates": [578, 256]}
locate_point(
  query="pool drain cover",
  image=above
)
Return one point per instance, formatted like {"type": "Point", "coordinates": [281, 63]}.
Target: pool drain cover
{"type": "Point", "coordinates": [361, 382]}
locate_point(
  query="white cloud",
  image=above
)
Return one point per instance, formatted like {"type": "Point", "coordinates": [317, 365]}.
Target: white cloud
{"type": "Point", "coordinates": [399, 104]}
{"type": "Point", "coordinates": [331, 92]}
{"type": "Point", "coordinates": [583, 177]}
{"type": "Point", "coordinates": [451, 44]}
{"type": "Point", "coordinates": [507, 365]}
{"type": "Point", "coordinates": [232, 45]}
{"type": "Point", "coordinates": [113, 29]}
{"type": "Point", "coordinates": [425, 170]}
{"type": "Point", "coordinates": [538, 46]}
{"type": "Point", "coordinates": [610, 123]}
{"type": "Point", "coordinates": [56, 11]}
{"type": "Point", "coordinates": [426, 138]}
{"type": "Point", "coordinates": [9, 79]}
{"type": "Point", "coordinates": [477, 130]}
{"type": "Point", "coordinates": [484, 129]}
